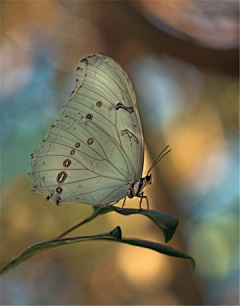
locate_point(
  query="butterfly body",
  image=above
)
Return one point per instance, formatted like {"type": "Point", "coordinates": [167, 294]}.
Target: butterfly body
{"type": "Point", "coordinates": [93, 153]}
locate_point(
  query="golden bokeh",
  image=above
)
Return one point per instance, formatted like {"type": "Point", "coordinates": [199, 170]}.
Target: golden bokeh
{"type": "Point", "coordinates": [186, 80]}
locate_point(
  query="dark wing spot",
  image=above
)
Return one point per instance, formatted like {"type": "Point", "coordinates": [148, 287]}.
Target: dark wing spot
{"type": "Point", "coordinates": [61, 177]}
{"type": "Point", "coordinates": [89, 116]}
{"type": "Point", "coordinates": [90, 141]}
{"type": "Point", "coordinates": [59, 190]}
{"type": "Point", "coordinates": [67, 163]}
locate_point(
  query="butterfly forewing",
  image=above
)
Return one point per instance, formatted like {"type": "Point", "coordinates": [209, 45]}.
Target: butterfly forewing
{"type": "Point", "coordinates": [95, 147]}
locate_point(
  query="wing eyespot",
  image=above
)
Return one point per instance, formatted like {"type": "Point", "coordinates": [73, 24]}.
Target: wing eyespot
{"type": "Point", "coordinates": [67, 163]}
{"type": "Point", "coordinates": [61, 177]}
{"type": "Point", "coordinates": [90, 141]}
{"type": "Point", "coordinates": [99, 103]}
{"type": "Point", "coordinates": [59, 190]}
{"type": "Point", "coordinates": [89, 116]}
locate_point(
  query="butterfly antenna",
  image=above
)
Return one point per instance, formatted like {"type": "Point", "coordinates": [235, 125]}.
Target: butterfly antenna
{"type": "Point", "coordinates": [160, 156]}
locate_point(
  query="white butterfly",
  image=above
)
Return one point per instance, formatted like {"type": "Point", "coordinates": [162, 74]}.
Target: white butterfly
{"type": "Point", "coordinates": [93, 153]}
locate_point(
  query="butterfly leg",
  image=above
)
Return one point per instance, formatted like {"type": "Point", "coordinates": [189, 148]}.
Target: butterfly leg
{"type": "Point", "coordinates": [124, 202]}
{"type": "Point", "coordinates": [142, 196]}
{"type": "Point", "coordinates": [112, 203]}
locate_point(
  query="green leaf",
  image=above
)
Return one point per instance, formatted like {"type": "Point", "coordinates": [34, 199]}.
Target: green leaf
{"type": "Point", "coordinates": [114, 235]}
{"type": "Point", "coordinates": [161, 248]}
{"type": "Point", "coordinates": [166, 222]}
{"type": "Point", "coordinates": [39, 247]}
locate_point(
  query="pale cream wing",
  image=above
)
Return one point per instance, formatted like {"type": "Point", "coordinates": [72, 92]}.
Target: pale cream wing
{"type": "Point", "coordinates": [95, 147]}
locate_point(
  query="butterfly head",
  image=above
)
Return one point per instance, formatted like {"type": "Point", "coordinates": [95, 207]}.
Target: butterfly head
{"type": "Point", "coordinates": [136, 188]}
{"type": "Point", "coordinates": [148, 179]}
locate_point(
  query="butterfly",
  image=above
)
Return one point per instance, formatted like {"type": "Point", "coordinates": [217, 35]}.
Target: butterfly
{"type": "Point", "coordinates": [94, 152]}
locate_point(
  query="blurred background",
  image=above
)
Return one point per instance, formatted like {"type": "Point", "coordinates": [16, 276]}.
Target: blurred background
{"type": "Point", "coordinates": [182, 57]}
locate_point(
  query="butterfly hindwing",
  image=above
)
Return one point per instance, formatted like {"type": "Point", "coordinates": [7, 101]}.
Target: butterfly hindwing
{"type": "Point", "coordinates": [95, 147]}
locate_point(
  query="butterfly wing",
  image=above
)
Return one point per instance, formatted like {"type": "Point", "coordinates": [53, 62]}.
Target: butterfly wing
{"type": "Point", "coordinates": [95, 147]}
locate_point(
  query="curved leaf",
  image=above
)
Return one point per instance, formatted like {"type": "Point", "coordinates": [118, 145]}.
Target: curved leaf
{"type": "Point", "coordinates": [166, 222]}
{"type": "Point", "coordinates": [39, 247]}
{"type": "Point", "coordinates": [114, 235]}
{"type": "Point", "coordinates": [161, 248]}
